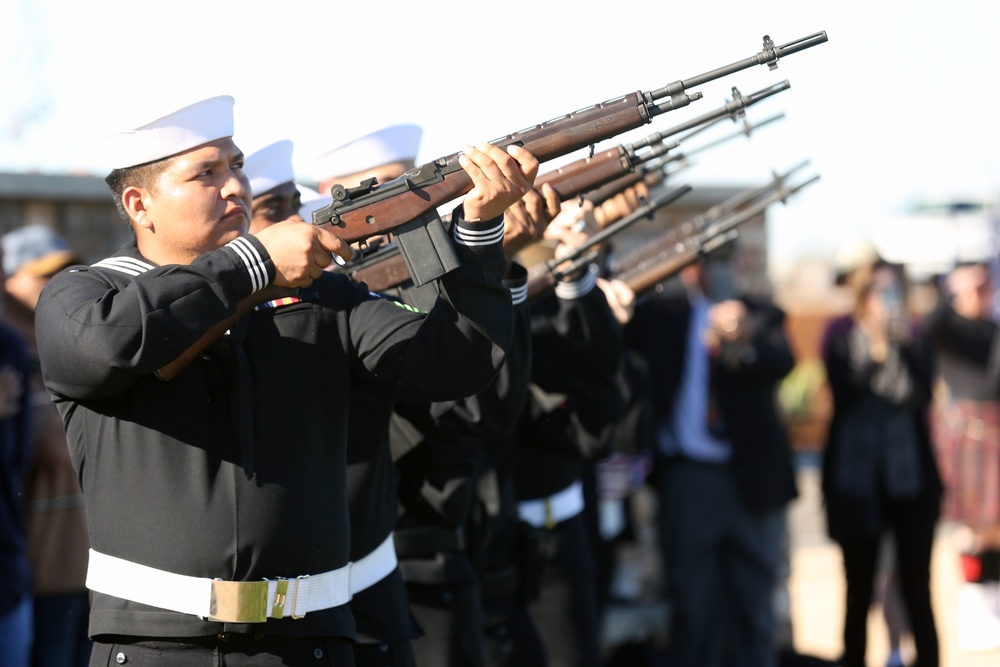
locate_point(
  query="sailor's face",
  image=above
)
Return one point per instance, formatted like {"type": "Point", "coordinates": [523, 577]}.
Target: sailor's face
{"type": "Point", "coordinates": [277, 204]}
{"type": "Point", "coordinates": [200, 201]}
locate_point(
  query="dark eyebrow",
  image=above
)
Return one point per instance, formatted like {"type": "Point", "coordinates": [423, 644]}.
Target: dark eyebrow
{"type": "Point", "coordinates": [208, 164]}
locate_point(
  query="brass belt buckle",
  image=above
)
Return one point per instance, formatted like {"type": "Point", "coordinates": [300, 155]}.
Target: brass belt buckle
{"type": "Point", "coordinates": [238, 601]}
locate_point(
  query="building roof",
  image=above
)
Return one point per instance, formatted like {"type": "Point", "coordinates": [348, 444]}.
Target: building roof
{"type": "Point", "coordinates": [50, 187]}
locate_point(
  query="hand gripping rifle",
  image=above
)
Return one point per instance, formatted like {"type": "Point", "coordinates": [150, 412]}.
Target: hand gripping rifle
{"type": "Point", "coordinates": [407, 205]}
{"type": "Point", "coordinates": [544, 275]}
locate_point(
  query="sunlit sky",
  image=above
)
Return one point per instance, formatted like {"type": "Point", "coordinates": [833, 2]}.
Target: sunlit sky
{"type": "Point", "coordinates": [897, 109]}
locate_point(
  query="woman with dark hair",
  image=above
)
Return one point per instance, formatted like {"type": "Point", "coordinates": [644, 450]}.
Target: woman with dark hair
{"type": "Point", "coordinates": [879, 472]}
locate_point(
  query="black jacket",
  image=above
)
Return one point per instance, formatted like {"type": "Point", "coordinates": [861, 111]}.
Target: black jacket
{"type": "Point", "coordinates": [746, 383]}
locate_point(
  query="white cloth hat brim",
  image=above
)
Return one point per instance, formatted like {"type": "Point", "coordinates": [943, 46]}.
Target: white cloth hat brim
{"type": "Point", "coordinates": [269, 167]}
{"type": "Point", "coordinates": [172, 133]}
{"type": "Point", "coordinates": [395, 143]}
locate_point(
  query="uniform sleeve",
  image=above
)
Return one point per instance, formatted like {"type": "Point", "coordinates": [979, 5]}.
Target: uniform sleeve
{"type": "Point", "coordinates": [100, 329]}
{"type": "Point", "coordinates": [493, 411]}
{"type": "Point", "coordinates": [578, 343]}
{"type": "Point", "coordinates": [457, 348]}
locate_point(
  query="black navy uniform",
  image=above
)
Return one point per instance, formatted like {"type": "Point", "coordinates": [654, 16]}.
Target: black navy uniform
{"type": "Point", "coordinates": [235, 469]}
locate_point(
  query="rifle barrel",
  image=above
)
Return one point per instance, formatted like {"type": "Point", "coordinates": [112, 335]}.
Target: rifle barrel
{"type": "Point", "coordinates": [769, 56]}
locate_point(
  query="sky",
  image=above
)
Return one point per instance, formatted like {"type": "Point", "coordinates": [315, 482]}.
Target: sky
{"type": "Point", "coordinates": [895, 111]}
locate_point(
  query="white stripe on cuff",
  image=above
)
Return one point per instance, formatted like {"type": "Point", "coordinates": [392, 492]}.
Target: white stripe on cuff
{"type": "Point", "coordinates": [253, 261]}
{"type": "Point", "coordinates": [477, 237]}
{"type": "Point", "coordinates": [519, 295]}
{"type": "Point", "coordinates": [577, 288]}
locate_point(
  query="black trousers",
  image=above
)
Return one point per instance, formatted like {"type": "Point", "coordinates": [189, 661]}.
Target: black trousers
{"type": "Point", "coordinates": [912, 524]}
{"type": "Point", "coordinates": [566, 611]}
{"type": "Point", "coordinates": [223, 650]}
{"type": "Point", "coordinates": [386, 654]}
{"type": "Point", "coordinates": [512, 640]}
{"type": "Point", "coordinates": [721, 564]}
{"type": "Point", "coordinates": [452, 619]}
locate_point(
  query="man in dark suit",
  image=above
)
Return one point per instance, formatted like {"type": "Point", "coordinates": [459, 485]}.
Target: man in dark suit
{"type": "Point", "coordinates": [724, 470]}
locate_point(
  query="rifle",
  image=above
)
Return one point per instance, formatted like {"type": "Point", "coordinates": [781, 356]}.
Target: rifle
{"type": "Point", "coordinates": [666, 255]}
{"type": "Point", "coordinates": [408, 204]}
{"type": "Point", "coordinates": [594, 171]}
{"type": "Point", "coordinates": [654, 172]}
{"type": "Point", "coordinates": [386, 268]}
{"type": "Point", "coordinates": [545, 275]}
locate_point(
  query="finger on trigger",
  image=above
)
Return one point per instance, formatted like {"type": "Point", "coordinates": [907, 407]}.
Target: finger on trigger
{"type": "Point", "coordinates": [332, 243]}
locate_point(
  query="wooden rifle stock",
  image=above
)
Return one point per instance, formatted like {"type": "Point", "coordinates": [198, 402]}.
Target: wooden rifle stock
{"type": "Point", "coordinates": [370, 209]}
{"type": "Point", "coordinates": [681, 246]}
{"type": "Point", "coordinates": [652, 168]}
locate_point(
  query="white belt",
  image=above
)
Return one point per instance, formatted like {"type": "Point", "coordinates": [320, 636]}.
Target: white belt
{"type": "Point", "coordinates": [374, 566]}
{"type": "Point", "coordinates": [238, 601]}
{"type": "Point", "coordinates": [547, 512]}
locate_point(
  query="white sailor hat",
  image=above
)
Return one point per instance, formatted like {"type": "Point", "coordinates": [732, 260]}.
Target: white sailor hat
{"type": "Point", "coordinates": [170, 131]}
{"type": "Point", "coordinates": [269, 166]}
{"type": "Point", "coordinates": [393, 143]}
{"type": "Point", "coordinates": [311, 201]}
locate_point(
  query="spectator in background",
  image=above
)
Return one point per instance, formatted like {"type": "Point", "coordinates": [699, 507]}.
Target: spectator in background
{"type": "Point", "coordinates": [15, 453]}
{"type": "Point", "coordinates": [967, 436]}
{"type": "Point", "coordinates": [57, 519]}
{"type": "Point", "coordinates": [879, 472]}
{"type": "Point", "coordinates": [723, 472]}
